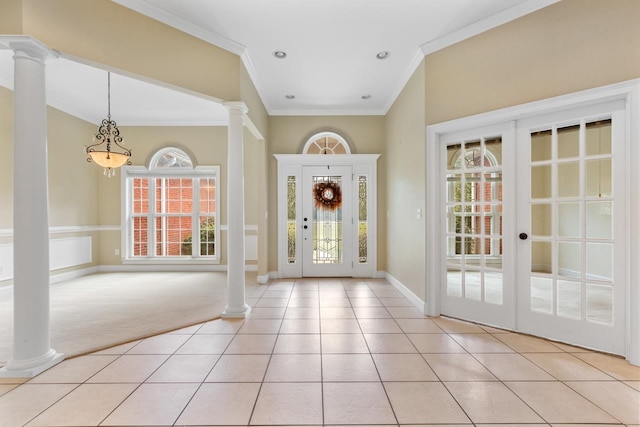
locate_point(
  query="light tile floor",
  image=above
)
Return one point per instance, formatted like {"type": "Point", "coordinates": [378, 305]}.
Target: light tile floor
{"type": "Point", "coordinates": [330, 352]}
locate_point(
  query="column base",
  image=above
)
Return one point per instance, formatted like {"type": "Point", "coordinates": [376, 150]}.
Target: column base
{"type": "Point", "coordinates": [31, 368]}
{"type": "Point", "coordinates": [233, 313]}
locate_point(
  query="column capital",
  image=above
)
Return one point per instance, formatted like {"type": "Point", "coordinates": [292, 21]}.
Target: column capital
{"type": "Point", "coordinates": [237, 107]}
{"type": "Point", "coordinates": [28, 47]}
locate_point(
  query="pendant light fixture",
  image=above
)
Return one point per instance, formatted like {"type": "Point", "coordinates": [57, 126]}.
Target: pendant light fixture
{"type": "Point", "coordinates": [107, 150]}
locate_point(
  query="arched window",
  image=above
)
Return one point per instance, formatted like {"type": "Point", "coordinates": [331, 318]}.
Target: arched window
{"type": "Point", "coordinates": [170, 209]}
{"type": "Point", "coordinates": [326, 143]}
{"type": "Point", "coordinates": [170, 157]}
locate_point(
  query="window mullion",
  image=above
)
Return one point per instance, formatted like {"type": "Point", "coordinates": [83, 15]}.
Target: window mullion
{"type": "Point", "coordinates": [195, 215]}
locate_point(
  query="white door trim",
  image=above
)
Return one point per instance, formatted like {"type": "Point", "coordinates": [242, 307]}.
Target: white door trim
{"type": "Point", "coordinates": [291, 165]}
{"type": "Point", "coordinates": [629, 92]}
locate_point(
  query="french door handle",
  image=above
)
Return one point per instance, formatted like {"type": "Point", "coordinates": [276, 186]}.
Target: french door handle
{"type": "Point", "coordinates": [523, 236]}
{"type": "Point", "coordinates": [305, 227]}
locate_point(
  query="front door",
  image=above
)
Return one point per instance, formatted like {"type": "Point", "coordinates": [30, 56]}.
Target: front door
{"type": "Point", "coordinates": [327, 221]}
{"type": "Point", "coordinates": [571, 225]}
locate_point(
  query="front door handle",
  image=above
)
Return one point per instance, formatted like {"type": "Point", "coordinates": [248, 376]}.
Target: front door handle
{"type": "Point", "coordinates": [523, 236]}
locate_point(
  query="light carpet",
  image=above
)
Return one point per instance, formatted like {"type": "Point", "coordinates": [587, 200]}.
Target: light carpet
{"type": "Point", "coordinates": [102, 310]}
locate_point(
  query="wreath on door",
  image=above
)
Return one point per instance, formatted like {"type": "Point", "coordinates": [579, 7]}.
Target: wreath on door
{"type": "Point", "coordinates": [327, 195]}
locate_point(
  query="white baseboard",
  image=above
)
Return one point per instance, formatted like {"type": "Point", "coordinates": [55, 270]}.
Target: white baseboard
{"type": "Point", "coordinates": [413, 298]}
{"type": "Point", "coordinates": [173, 267]}
{"type": "Point", "coordinates": [263, 279]}
{"type": "Point", "coordinates": [57, 278]}
{"type": "Point", "coordinates": [380, 275]}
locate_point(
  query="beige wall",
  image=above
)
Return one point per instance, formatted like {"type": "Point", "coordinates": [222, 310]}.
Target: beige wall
{"type": "Point", "coordinates": [566, 47]}
{"type": "Point", "coordinates": [107, 33]}
{"type": "Point", "coordinates": [249, 95]}
{"type": "Point", "coordinates": [404, 157]}
{"type": "Point", "coordinates": [288, 134]}
{"type": "Point", "coordinates": [11, 17]}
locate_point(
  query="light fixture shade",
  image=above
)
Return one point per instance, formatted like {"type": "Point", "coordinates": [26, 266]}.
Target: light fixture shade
{"type": "Point", "coordinates": [108, 159]}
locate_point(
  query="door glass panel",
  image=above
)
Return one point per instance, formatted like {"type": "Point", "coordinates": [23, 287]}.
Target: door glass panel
{"type": "Point", "coordinates": [291, 220]}
{"type": "Point", "coordinates": [472, 285]}
{"type": "Point", "coordinates": [541, 257]}
{"type": "Point", "coordinates": [598, 138]}
{"type": "Point", "coordinates": [541, 219]}
{"type": "Point", "coordinates": [454, 282]}
{"type": "Point", "coordinates": [598, 178]}
{"type": "Point", "coordinates": [473, 188]}
{"type": "Point", "coordinates": [454, 187]}
{"type": "Point", "coordinates": [569, 259]}
{"type": "Point", "coordinates": [569, 142]}
{"type": "Point", "coordinates": [569, 219]}
{"type": "Point", "coordinates": [600, 303]}
{"type": "Point", "coordinates": [327, 220]}
{"type": "Point", "coordinates": [453, 156]}
{"type": "Point", "coordinates": [473, 155]}
{"type": "Point", "coordinates": [599, 220]}
{"type": "Point", "coordinates": [473, 229]}
{"type": "Point", "coordinates": [568, 179]}
{"type": "Point", "coordinates": [600, 261]}
{"type": "Point", "coordinates": [493, 150]}
{"type": "Point", "coordinates": [572, 248]}
{"type": "Point", "coordinates": [569, 299]}
{"type": "Point", "coordinates": [493, 187]}
{"type": "Point", "coordinates": [493, 287]}
{"type": "Point", "coordinates": [541, 146]}
{"type": "Point", "coordinates": [541, 182]}
{"type": "Point", "coordinates": [362, 219]}
{"type": "Point", "coordinates": [541, 294]}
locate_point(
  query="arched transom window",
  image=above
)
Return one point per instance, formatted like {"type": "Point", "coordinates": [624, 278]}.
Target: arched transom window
{"type": "Point", "coordinates": [326, 143]}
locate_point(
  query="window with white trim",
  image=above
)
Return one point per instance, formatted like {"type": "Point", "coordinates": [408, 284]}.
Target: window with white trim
{"type": "Point", "coordinates": [326, 143]}
{"type": "Point", "coordinates": [170, 210]}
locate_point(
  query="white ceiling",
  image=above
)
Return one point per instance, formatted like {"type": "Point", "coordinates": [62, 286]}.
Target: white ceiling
{"type": "Point", "coordinates": [331, 62]}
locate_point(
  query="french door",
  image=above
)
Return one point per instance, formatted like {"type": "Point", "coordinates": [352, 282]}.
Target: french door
{"type": "Point", "coordinates": [533, 220]}
{"type": "Point", "coordinates": [571, 220]}
{"type": "Point", "coordinates": [476, 199]}
{"type": "Point", "coordinates": [327, 221]}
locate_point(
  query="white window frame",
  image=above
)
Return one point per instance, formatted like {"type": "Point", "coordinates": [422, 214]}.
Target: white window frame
{"type": "Point", "coordinates": [311, 141]}
{"type": "Point", "coordinates": [130, 172]}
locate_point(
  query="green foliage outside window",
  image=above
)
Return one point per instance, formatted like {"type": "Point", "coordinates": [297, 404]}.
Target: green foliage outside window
{"type": "Point", "coordinates": [207, 239]}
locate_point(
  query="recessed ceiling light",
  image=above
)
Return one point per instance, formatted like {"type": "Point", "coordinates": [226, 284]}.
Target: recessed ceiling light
{"type": "Point", "coordinates": [280, 54]}
{"type": "Point", "coordinates": [382, 55]}
{"type": "Point", "coordinates": [365, 96]}
{"type": "Point", "coordinates": [289, 96]}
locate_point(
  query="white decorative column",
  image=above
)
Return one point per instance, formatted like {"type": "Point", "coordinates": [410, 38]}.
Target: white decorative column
{"type": "Point", "coordinates": [236, 305]}
{"type": "Point", "coordinates": [32, 352]}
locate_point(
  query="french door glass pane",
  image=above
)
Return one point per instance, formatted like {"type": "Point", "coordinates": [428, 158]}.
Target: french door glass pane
{"type": "Point", "coordinates": [327, 220]}
{"type": "Point", "coordinates": [569, 142]}
{"type": "Point", "coordinates": [473, 186]}
{"type": "Point", "coordinates": [600, 303]}
{"type": "Point", "coordinates": [541, 219]}
{"type": "Point", "coordinates": [572, 228]}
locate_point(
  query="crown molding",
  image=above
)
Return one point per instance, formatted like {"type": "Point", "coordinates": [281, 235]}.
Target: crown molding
{"type": "Point", "coordinates": [413, 66]}
{"type": "Point", "coordinates": [485, 24]}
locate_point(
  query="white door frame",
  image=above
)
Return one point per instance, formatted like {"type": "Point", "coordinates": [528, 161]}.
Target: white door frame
{"type": "Point", "coordinates": [629, 92]}
{"type": "Point", "coordinates": [291, 165]}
